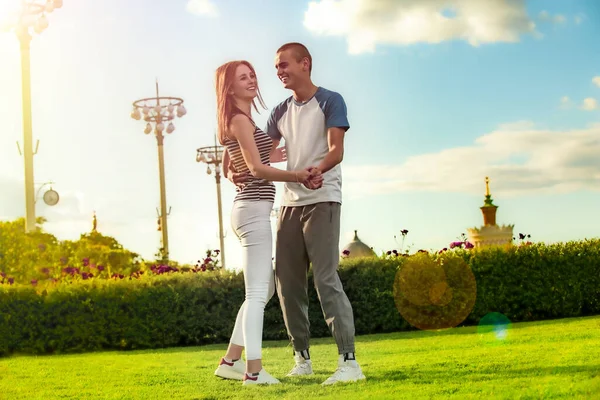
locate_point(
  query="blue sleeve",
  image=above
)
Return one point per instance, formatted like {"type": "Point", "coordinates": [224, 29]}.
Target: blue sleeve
{"type": "Point", "coordinates": [271, 129]}
{"type": "Point", "coordinates": [336, 114]}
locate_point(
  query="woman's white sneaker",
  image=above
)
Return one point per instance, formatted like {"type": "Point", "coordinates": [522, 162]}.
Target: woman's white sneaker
{"type": "Point", "coordinates": [302, 367]}
{"type": "Point", "coordinates": [262, 378]}
{"type": "Point", "coordinates": [231, 370]}
{"type": "Point", "coordinates": [347, 371]}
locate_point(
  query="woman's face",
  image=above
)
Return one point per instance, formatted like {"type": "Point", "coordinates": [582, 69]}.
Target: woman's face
{"type": "Point", "coordinates": [244, 83]}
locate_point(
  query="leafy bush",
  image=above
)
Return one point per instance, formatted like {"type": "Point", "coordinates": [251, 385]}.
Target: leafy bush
{"type": "Point", "coordinates": [179, 308]}
{"type": "Point", "coordinates": [538, 281]}
{"type": "Point", "coordinates": [27, 257]}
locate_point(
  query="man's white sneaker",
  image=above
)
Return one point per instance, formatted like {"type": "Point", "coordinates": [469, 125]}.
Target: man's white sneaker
{"type": "Point", "coordinates": [231, 370]}
{"type": "Point", "coordinates": [302, 367]}
{"type": "Point", "coordinates": [263, 378]}
{"type": "Point", "coordinates": [347, 371]}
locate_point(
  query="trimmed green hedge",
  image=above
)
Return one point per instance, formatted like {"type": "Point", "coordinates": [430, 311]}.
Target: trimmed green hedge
{"type": "Point", "coordinates": [525, 283]}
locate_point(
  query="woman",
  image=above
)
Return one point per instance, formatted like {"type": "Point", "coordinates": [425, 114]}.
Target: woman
{"type": "Point", "coordinates": [250, 150]}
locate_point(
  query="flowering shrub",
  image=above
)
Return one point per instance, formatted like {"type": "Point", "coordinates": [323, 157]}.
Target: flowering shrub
{"type": "Point", "coordinates": [522, 237]}
{"type": "Point", "coordinates": [38, 257]}
{"type": "Point", "coordinates": [210, 262]}
{"type": "Point", "coordinates": [460, 243]}
{"type": "Point", "coordinates": [396, 253]}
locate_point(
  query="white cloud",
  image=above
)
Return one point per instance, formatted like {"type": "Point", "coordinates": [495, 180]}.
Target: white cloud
{"type": "Point", "coordinates": [565, 102]}
{"type": "Point", "coordinates": [557, 19]}
{"type": "Point", "coordinates": [366, 23]}
{"type": "Point", "coordinates": [518, 158]}
{"type": "Point", "coordinates": [202, 8]}
{"type": "Point", "coordinates": [590, 104]}
{"type": "Point", "coordinates": [596, 81]}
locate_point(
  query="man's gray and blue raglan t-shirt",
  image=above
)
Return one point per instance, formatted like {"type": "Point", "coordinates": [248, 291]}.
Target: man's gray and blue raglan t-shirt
{"type": "Point", "coordinates": [304, 127]}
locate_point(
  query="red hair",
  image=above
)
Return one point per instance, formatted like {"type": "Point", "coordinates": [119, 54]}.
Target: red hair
{"type": "Point", "coordinates": [226, 107]}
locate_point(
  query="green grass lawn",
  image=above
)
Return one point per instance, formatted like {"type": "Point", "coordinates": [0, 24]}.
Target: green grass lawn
{"type": "Point", "coordinates": [549, 359]}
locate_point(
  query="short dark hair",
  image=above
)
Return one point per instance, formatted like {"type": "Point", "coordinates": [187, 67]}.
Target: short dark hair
{"type": "Point", "coordinates": [299, 50]}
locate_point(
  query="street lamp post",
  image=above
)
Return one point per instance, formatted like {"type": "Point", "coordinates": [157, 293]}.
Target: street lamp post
{"type": "Point", "coordinates": [158, 111]}
{"type": "Point", "coordinates": [31, 16]}
{"type": "Point", "coordinates": [213, 155]}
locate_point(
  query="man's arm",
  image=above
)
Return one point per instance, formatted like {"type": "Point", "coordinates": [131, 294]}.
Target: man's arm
{"type": "Point", "coordinates": [335, 140]}
{"type": "Point", "coordinates": [336, 120]}
{"type": "Point", "coordinates": [237, 178]}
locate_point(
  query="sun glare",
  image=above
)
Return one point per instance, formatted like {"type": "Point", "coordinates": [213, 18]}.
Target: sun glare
{"type": "Point", "coordinates": [8, 7]}
{"type": "Point", "coordinates": [8, 13]}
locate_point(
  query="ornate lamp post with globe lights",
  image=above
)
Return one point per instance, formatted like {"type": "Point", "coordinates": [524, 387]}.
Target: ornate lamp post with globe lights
{"type": "Point", "coordinates": [29, 18]}
{"type": "Point", "coordinates": [158, 111]}
{"type": "Point", "coordinates": [213, 155]}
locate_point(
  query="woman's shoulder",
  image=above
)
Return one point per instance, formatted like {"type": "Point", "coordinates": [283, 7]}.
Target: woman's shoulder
{"type": "Point", "coordinates": [241, 123]}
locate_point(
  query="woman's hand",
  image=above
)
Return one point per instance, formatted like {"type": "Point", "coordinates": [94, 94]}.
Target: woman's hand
{"type": "Point", "coordinates": [316, 179]}
{"type": "Point", "coordinates": [311, 178]}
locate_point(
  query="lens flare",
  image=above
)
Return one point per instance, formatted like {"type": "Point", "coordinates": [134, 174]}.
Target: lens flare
{"type": "Point", "coordinates": [435, 294]}
{"type": "Point", "coordinates": [494, 325]}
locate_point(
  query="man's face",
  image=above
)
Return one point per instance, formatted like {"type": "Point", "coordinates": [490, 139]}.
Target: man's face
{"type": "Point", "coordinates": [289, 70]}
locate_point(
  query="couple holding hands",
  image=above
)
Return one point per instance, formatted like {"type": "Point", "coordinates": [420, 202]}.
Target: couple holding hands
{"type": "Point", "coordinates": [313, 122]}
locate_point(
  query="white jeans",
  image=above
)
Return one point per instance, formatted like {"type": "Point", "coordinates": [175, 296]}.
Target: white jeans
{"type": "Point", "coordinates": [251, 223]}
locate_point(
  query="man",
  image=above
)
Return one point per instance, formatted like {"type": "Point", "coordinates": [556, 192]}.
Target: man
{"type": "Point", "coordinates": [313, 123]}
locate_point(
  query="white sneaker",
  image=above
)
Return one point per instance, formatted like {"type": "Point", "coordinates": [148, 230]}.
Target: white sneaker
{"type": "Point", "coordinates": [302, 367]}
{"type": "Point", "coordinates": [263, 378]}
{"type": "Point", "coordinates": [231, 370]}
{"type": "Point", "coordinates": [348, 371]}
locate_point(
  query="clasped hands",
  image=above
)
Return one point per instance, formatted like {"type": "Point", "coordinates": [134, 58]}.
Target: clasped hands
{"type": "Point", "coordinates": [311, 177]}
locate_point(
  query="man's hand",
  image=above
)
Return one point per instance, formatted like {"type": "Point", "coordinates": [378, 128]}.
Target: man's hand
{"type": "Point", "coordinates": [315, 180]}
{"type": "Point", "coordinates": [237, 178]}
{"type": "Point", "coordinates": [278, 155]}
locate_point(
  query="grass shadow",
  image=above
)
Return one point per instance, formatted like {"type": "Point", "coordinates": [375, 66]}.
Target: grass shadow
{"type": "Point", "coordinates": [457, 372]}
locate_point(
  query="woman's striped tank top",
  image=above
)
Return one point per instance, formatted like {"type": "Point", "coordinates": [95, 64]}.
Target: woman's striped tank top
{"type": "Point", "coordinates": [255, 189]}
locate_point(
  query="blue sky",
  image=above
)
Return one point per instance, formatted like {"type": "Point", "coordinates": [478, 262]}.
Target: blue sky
{"type": "Point", "coordinates": [432, 112]}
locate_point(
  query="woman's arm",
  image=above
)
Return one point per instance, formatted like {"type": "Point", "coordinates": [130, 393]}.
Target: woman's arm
{"type": "Point", "coordinates": [243, 131]}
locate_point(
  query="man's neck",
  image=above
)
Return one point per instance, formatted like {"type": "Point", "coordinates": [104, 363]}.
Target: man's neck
{"type": "Point", "coordinates": [305, 92]}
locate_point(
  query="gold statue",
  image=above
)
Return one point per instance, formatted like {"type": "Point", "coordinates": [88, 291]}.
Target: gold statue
{"type": "Point", "coordinates": [487, 186]}
{"type": "Point", "coordinates": [94, 222]}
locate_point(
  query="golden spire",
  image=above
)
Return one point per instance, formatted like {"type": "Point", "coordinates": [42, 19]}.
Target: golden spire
{"type": "Point", "coordinates": [488, 202]}
{"type": "Point", "coordinates": [94, 222]}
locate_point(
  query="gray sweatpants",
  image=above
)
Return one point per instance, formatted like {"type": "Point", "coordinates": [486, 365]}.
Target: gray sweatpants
{"type": "Point", "coordinates": [310, 234]}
